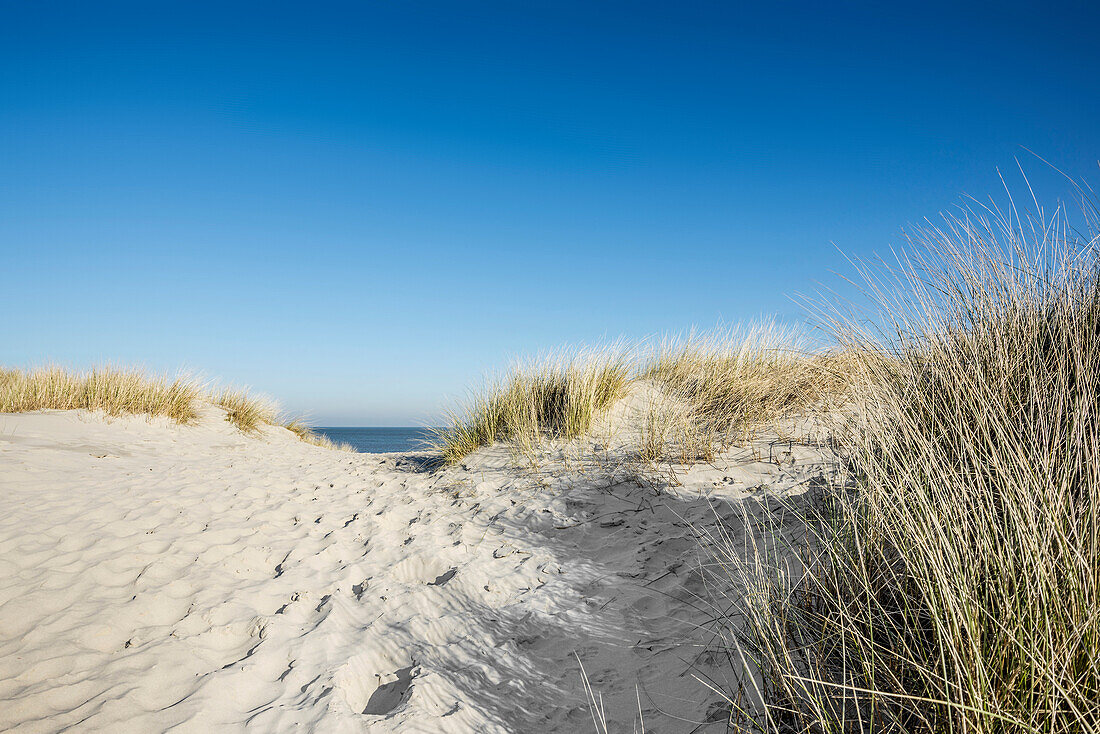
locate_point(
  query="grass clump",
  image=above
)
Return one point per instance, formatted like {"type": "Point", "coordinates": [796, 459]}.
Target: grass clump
{"type": "Point", "coordinates": [113, 391]}
{"type": "Point", "coordinates": [694, 395]}
{"type": "Point", "coordinates": [728, 384]}
{"type": "Point", "coordinates": [248, 412]}
{"type": "Point", "coordinates": [955, 583]}
{"type": "Point", "coordinates": [132, 392]}
{"type": "Point", "coordinates": [556, 398]}
{"type": "Point", "coordinates": [310, 436]}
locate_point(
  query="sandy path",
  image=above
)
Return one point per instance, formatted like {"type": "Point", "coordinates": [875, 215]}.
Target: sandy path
{"type": "Point", "coordinates": [155, 577]}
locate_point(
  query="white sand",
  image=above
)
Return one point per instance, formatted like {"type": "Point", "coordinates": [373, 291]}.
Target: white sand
{"type": "Point", "coordinates": [157, 577]}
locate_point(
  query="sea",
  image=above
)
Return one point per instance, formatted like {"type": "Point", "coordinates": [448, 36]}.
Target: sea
{"type": "Point", "coordinates": [375, 440]}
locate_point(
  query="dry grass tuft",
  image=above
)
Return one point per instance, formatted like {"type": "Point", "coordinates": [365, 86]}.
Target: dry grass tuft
{"type": "Point", "coordinates": [132, 392]}
{"type": "Point", "coordinates": [113, 391]}
{"type": "Point", "coordinates": [248, 412]}
{"type": "Point", "coordinates": [955, 579]}
{"type": "Point", "coordinates": [707, 392]}
{"type": "Point", "coordinates": [555, 398]}
{"type": "Point", "coordinates": [310, 436]}
{"type": "Point", "coordinates": [723, 386]}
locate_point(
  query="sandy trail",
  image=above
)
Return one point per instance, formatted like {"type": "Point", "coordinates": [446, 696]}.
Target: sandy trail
{"type": "Point", "coordinates": [155, 577]}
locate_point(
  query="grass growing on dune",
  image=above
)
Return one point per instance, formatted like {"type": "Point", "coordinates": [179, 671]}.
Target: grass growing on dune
{"type": "Point", "coordinates": [132, 392]}
{"type": "Point", "coordinates": [734, 382]}
{"type": "Point", "coordinates": [112, 391]}
{"type": "Point", "coordinates": [557, 397]}
{"type": "Point", "coordinates": [956, 577]}
{"type": "Point", "coordinates": [710, 390]}
{"type": "Point", "coordinates": [950, 581]}
{"type": "Point", "coordinates": [248, 412]}
{"type": "Point", "coordinates": [310, 436]}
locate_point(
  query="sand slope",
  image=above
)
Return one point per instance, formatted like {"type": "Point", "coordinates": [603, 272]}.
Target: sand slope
{"type": "Point", "coordinates": [155, 577]}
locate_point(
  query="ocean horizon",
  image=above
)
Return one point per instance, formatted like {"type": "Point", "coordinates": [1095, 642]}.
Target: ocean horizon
{"type": "Point", "coordinates": [379, 439]}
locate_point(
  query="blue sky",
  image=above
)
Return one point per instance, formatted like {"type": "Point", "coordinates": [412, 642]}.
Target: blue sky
{"type": "Point", "coordinates": [360, 208]}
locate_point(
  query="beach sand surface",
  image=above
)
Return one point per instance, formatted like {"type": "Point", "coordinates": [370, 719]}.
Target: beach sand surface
{"type": "Point", "coordinates": [158, 577]}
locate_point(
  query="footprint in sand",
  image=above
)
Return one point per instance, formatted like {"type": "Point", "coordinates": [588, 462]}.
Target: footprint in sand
{"type": "Point", "coordinates": [421, 570]}
{"type": "Point", "coordinates": [388, 696]}
{"type": "Point", "coordinates": [376, 682]}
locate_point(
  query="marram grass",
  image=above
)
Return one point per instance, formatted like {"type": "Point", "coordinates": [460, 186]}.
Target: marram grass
{"type": "Point", "coordinates": [710, 390]}
{"type": "Point", "coordinates": [113, 391]}
{"type": "Point", "coordinates": [954, 578]}
{"type": "Point", "coordinates": [554, 398]}
{"type": "Point", "coordinates": [307, 434]}
{"type": "Point", "coordinates": [132, 392]}
{"type": "Point", "coordinates": [731, 383]}
{"type": "Point", "coordinates": [248, 412]}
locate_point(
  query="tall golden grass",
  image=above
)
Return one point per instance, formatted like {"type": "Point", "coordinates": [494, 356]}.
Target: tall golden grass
{"type": "Point", "coordinates": [132, 392]}
{"type": "Point", "coordinates": [711, 389]}
{"type": "Point", "coordinates": [727, 384]}
{"type": "Point", "coordinates": [953, 581]}
{"type": "Point", "coordinates": [247, 412]}
{"type": "Point", "coordinates": [554, 398]}
{"type": "Point", "coordinates": [113, 391]}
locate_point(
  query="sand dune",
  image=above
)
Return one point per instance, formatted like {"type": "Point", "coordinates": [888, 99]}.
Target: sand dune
{"type": "Point", "coordinates": [159, 577]}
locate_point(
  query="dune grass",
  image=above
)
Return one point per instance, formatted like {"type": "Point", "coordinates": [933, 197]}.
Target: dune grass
{"type": "Point", "coordinates": [954, 579]}
{"type": "Point", "coordinates": [248, 412]}
{"type": "Point", "coordinates": [712, 389]}
{"type": "Point", "coordinates": [728, 384]}
{"type": "Point", "coordinates": [113, 391]}
{"type": "Point", "coordinates": [305, 433]}
{"type": "Point", "coordinates": [117, 391]}
{"type": "Point", "coordinates": [553, 398]}
{"type": "Point", "coordinates": [950, 578]}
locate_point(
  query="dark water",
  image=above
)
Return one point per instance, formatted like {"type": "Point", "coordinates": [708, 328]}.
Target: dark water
{"type": "Point", "coordinates": [379, 440]}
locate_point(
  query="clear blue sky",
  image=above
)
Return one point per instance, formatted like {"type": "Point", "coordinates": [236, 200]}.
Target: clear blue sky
{"type": "Point", "coordinates": [361, 207]}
